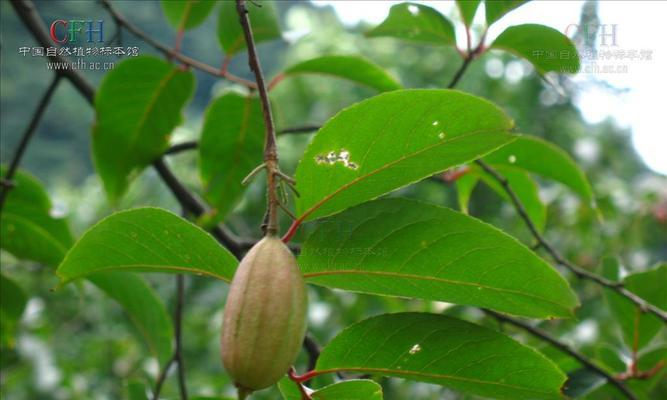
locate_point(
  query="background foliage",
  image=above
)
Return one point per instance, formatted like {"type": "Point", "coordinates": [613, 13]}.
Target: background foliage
{"type": "Point", "coordinates": [77, 343]}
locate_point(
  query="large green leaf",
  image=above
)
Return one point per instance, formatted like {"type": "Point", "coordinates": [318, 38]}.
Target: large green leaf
{"type": "Point", "coordinates": [13, 300]}
{"type": "Point", "coordinates": [445, 351]}
{"type": "Point", "coordinates": [148, 240]}
{"type": "Point", "coordinates": [392, 140]}
{"type": "Point", "coordinates": [545, 47]}
{"type": "Point", "coordinates": [495, 9]}
{"type": "Point", "coordinates": [401, 247]}
{"type": "Point", "coordinates": [546, 159]}
{"type": "Point", "coordinates": [137, 107]}
{"type": "Point", "coordinates": [353, 389]}
{"type": "Point", "coordinates": [416, 23]}
{"type": "Point", "coordinates": [230, 147]}
{"type": "Point", "coordinates": [468, 9]}
{"type": "Point", "coordinates": [27, 229]}
{"type": "Point", "coordinates": [186, 14]}
{"type": "Point", "coordinates": [144, 308]}
{"type": "Point", "coordinates": [650, 285]}
{"type": "Point", "coordinates": [354, 68]}
{"type": "Point", "coordinates": [263, 20]}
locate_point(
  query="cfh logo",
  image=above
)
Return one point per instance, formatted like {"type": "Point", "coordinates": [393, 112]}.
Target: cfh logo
{"type": "Point", "coordinates": [63, 31]}
{"type": "Point", "coordinates": [606, 32]}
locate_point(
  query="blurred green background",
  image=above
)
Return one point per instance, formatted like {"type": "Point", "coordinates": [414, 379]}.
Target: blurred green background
{"type": "Point", "coordinates": [75, 343]}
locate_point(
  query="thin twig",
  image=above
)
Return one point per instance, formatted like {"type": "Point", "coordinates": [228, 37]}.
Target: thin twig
{"type": "Point", "coordinates": [162, 376]}
{"type": "Point", "coordinates": [133, 29]}
{"type": "Point", "coordinates": [180, 147]}
{"type": "Point", "coordinates": [459, 73]}
{"type": "Point", "coordinates": [563, 347]}
{"type": "Point", "coordinates": [193, 145]}
{"type": "Point", "coordinates": [194, 206]}
{"type": "Point", "coordinates": [643, 305]}
{"type": "Point", "coordinates": [270, 148]}
{"type": "Point", "coordinates": [313, 350]}
{"type": "Point", "coordinates": [178, 324]}
{"type": "Point", "coordinates": [301, 129]}
{"type": "Point", "coordinates": [177, 356]}
{"type": "Point", "coordinates": [28, 134]}
{"type": "Point", "coordinates": [33, 21]}
{"type": "Point", "coordinates": [468, 56]}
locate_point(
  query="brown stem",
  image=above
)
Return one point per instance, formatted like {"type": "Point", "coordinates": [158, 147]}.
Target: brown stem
{"type": "Point", "coordinates": [177, 148]}
{"type": "Point", "coordinates": [177, 357]}
{"type": "Point", "coordinates": [162, 376]}
{"type": "Point", "coordinates": [564, 348]}
{"type": "Point", "coordinates": [313, 350]}
{"type": "Point", "coordinates": [276, 80]}
{"type": "Point", "coordinates": [122, 21]}
{"type": "Point", "coordinates": [25, 9]}
{"type": "Point", "coordinates": [459, 73]}
{"type": "Point", "coordinates": [301, 129]}
{"type": "Point", "coordinates": [581, 273]}
{"type": "Point", "coordinates": [270, 149]}
{"type": "Point", "coordinates": [194, 206]}
{"type": "Point", "coordinates": [178, 334]}
{"type": "Point", "coordinates": [28, 134]}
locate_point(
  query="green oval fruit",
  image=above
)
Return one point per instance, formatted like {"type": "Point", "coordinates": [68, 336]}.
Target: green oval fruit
{"type": "Point", "coordinates": [265, 316]}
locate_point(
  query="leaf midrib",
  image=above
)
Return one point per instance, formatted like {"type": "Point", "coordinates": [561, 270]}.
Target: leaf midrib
{"type": "Point", "coordinates": [428, 278]}
{"type": "Point", "coordinates": [65, 278]}
{"type": "Point", "coordinates": [149, 109]}
{"type": "Point", "coordinates": [431, 375]}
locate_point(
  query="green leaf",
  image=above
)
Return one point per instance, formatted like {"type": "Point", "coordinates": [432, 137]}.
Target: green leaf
{"type": "Point", "coordinates": [27, 229]}
{"type": "Point", "coordinates": [464, 188]}
{"type": "Point", "coordinates": [354, 68]}
{"type": "Point", "coordinates": [263, 20]}
{"type": "Point", "coordinates": [137, 106]}
{"type": "Point", "coordinates": [392, 140]}
{"type": "Point", "coordinates": [13, 300]}
{"type": "Point", "coordinates": [288, 389]}
{"type": "Point", "coordinates": [136, 390]}
{"type": "Point", "coordinates": [635, 325]}
{"type": "Point", "coordinates": [144, 308]}
{"type": "Point", "coordinates": [445, 351]}
{"type": "Point", "coordinates": [186, 14]}
{"type": "Point", "coordinates": [146, 240]}
{"type": "Point", "coordinates": [416, 23]}
{"type": "Point", "coordinates": [546, 159]}
{"type": "Point", "coordinates": [524, 187]}
{"type": "Point", "coordinates": [520, 182]}
{"type": "Point", "coordinates": [211, 398]}
{"type": "Point", "coordinates": [495, 9]}
{"type": "Point", "coordinates": [230, 147]}
{"type": "Point", "coordinates": [353, 389]}
{"type": "Point", "coordinates": [545, 47]}
{"type": "Point", "coordinates": [582, 382]}
{"type": "Point", "coordinates": [468, 9]}
{"type": "Point", "coordinates": [400, 247]}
